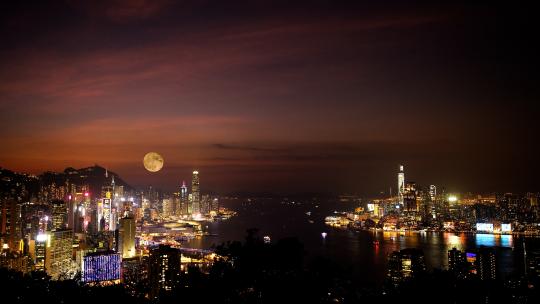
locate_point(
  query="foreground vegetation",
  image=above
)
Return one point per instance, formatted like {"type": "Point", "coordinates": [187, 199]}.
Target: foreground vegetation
{"type": "Point", "coordinates": [255, 272]}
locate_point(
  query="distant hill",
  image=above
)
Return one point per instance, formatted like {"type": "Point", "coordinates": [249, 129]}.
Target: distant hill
{"type": "Point", "coordinates": [14, 184]}
{"type": "Point", "coordinates": [95, 177]}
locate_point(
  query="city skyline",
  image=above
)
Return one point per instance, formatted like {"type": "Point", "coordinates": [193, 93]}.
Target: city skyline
{"type": "Point", "coordinates": [178, 188]}
{"type": "Point", "coordinates": [271, 96]}
{"type": "Point", "coordinates": [269, 151]}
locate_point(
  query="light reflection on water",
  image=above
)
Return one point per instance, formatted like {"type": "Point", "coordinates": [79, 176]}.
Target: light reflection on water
{"type": "Point", "coordinates": [364, 253]}
{"type": "Point", "coordinates": [492, 240]}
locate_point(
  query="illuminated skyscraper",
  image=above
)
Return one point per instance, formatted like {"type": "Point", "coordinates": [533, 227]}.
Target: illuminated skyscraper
{"type": "Point", "coordinates": [195, 194]}
{"type": "Point", "coordinates": [215, 205]}
{"type": "Point", "coordinates": [410, 205]}
{"type": "Point", "coordinates": [59, 254]}
{"type": "Point", "coordinates": [145, 203]}
{"type": "Point", "coordinates": [401, 184]}
{"type": "Point", "coordinates": [106, 214]}
{"type": "Point", "coordinates": [126, 237]}
{"type": "Point", "coordinates": [457, 262]}
{"type": "Point", "coordinates": [486, 264]}
{"type": "Point", "coordinates": [59, 215]}
{"type": "Point", "coordinates": [184, 199]}
{"type": "Point", "coordinates": [432, 192]}
{"type": "Point", "coordinates": [164, 269]}
{"type": "Point", "coordinates": [71, 206]}
{"type": "Point", "coordinates": [40, 251]}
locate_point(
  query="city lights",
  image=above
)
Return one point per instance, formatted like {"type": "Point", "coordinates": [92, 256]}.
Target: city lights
{"type": "Point", "coordinates": [405, 131]}
{"type": "Point", "coordinates": [41, 237]}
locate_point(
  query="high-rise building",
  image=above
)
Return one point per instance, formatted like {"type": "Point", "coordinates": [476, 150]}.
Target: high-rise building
{"type": "Point", "coordinates": [486, 264]}
{"type": "Point", "coordinates": [195, 194]}
{"type": "Point", "coordinates": [432, 192]}
{"type": "Point", "coordinates": [79, 218]}
{"type": "Point", "coordinates": [205, 204]}
{"type": "Point", "coordinates": [405, 264]}
{"type": "Point", "coordinates": [184, 199]}
{"type": "Point", "coordinates": [119, 191]}
{"type": "Point", "coordinates": [10, 227]}
{"type": "Point", "coordinates": [59, 254]}
{"type": "Point", "coordinates": [176, 204]}
{"type": "Point", "coordinates": [164, 269]}
{"type": "Point", "coordinates": [126, 237]}
{"type": "Point", "coordinates": [401, 184]}
{"type": "Point", "coordinates": [145, 204]}
{"type": "Point", "coordinates": [99, 267]}
{"type": "Point", "coordinates": [93, 226]}
{"type": "Point", "coordinates": [409, 197]}
{"type": "Point", "coordinates": [107, 212]}
{"type": "Point", "coordinates": [40, 251]}
{"type": "Point", "coordinates": [59, 215]}
{"type": "Point", "coordinates": [456, 258]}
{"type": "Point", "coordinates": [168, 207]}
{"type": "Point", "coordinates": [77, 202]}
{"type": "Point", "coordinates": [215, 205]}
{"type": "Point", "coordinates": [458, 263]}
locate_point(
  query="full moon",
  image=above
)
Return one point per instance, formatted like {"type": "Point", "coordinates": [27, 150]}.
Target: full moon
{"type": "Point", "coordinates": [153, 162]}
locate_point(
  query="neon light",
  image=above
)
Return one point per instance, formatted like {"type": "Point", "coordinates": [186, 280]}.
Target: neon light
{"type": "Point", "coordinates": [506, 227]}
{"type": "Point", "coordinates": [484, 227]}
{"type": "Point", "coordinates": [105, 267]}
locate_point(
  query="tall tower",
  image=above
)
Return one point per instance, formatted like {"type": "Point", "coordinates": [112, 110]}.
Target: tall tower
{"type": "Point", "coordinates": [126, 237]}
{"type": "Point", "coordinates": [401, 184]}
{"type": "Point", "coordinates": [184, 201]}
{"type": "Point", "coordinates": [432, 192]}
{"type": "Point", "coordinates": [196, 197]}
{"type": "Point", "coordinates": [113, 184]}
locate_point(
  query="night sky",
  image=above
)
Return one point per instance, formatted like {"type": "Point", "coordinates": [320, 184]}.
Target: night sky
{"type": "Point", "coordinates": [271, 96]}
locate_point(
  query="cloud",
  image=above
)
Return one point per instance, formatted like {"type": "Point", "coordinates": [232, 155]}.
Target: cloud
{"type": "Point", "coordinates": [247, 148]}
{"type": "Point", "coordinates": [122, 11]}
{"type": "Point", "coordinates": [178, 60]}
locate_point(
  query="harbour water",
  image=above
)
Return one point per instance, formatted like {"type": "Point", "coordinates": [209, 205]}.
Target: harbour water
{"type": "Point", "coordinates": [363, 254]}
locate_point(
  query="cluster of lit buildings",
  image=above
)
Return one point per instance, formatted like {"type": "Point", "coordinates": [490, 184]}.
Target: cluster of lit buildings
{"type": "Point", "coordinates": [108, 238]}
{"type": "Point", "coordinates": [414, 207]}
{"type": "Point", "coordinates": [409, 263]}
{"type": "Point", "coordinates": [475, 264]}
